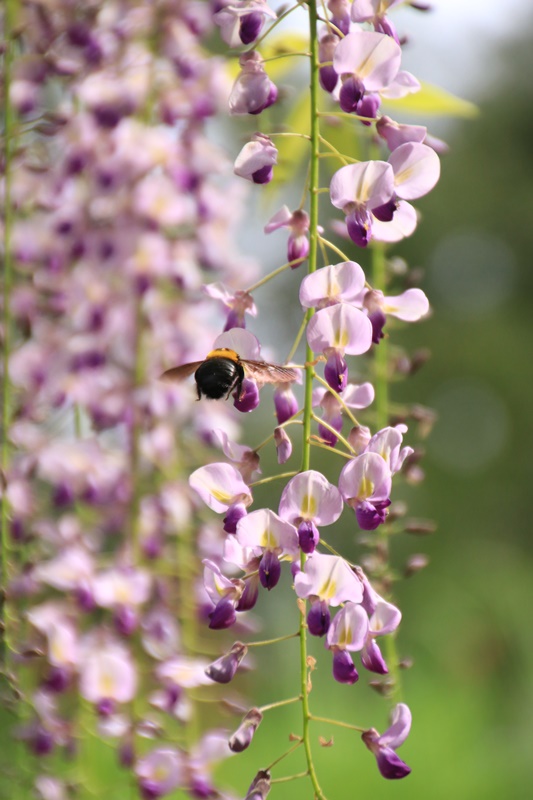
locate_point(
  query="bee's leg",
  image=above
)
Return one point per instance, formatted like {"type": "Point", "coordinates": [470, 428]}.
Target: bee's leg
{"type": "Point", "coordinates": [237, 384]}
{"type": "Point", "coordinates": [198, 392]}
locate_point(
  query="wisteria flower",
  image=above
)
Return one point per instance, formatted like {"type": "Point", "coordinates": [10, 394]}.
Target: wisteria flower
{"type": "Point", "coordinates": [326, 581]}
{"type": "Point", "coordinates": [222, 488]}
{"type": "Point", "coordinates": [353, 395]}
{"type": "Point", "coordinates": [272, 537]}
{"type": "Point", "coordinates": [359, 188]}
{"type": "Point", "coordinates": [416, 170]}
{"type": "Point", "coordinates": [410, 306]}
{"type": "Point", "coordinates": [326, 48]}
{"type": "Point", "coordinates": [310, 500]}
{"type": "Point", "coordinates": [224, 593]}
{"type": "Point", "coordinates": [160, 772]}
{"type": "Point", "coordinates": [388, 444]}
{"type": "Point", "coordinates": [237, 303]}
{"type": "Point", "coordinates": [384, 746]}
{"type": "Point", "coordinates": [334, 331]}
{"type": "Point", "coordinates": [366, 62]}
{"type": "Point", "coordinates": [365, 483]}
{"type": "Point", "coordinates": [107, 674]}
{"type": "Point", "coordinates": [298, 224]}
{"type": "Point", "coordinates": [253, 91]}
{"type": "Point", "coordinates": [336, 283]}
{"type": "Point", "coordinates": [384, 619]}
{"type": "Point", "coordinates": [241, 21]}
{"type": "Point", "coordinates": [256, 160]}
{"type": "Point", "coordinates": [347, 633]}
{"type": "Point", "coordinates": [375, 11]}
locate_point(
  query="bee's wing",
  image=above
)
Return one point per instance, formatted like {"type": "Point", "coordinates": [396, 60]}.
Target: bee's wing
{"type": "Point", "coordinates": [181, 372]}
{"type": "Point", "coordinates": [268, 373]}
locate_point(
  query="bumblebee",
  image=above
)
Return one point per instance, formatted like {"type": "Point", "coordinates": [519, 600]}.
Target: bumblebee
{"type": "Point", "coordinates": [223, 370]}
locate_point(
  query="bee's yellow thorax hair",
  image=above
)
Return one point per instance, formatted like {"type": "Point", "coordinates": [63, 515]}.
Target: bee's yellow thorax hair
{"type": "Point", "coordinates": [223, 352]}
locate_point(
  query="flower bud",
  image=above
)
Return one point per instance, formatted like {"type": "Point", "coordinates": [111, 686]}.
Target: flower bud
{"type": "Point", "coordinates": [260, 786]}
{"type": "Point", "coordinates": [244, 734]}
{"type": "Point", "coordinates": [223, 669]}
{"type": "Point", "coordinates": [283, 445]}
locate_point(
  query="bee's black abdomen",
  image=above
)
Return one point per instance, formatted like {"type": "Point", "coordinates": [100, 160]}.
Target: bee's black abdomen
{"type": "Point", "coordinates": [216, 376]}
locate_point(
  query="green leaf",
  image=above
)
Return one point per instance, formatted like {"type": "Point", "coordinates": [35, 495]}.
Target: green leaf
{"type": "Point", "coordinates": [432, 100]}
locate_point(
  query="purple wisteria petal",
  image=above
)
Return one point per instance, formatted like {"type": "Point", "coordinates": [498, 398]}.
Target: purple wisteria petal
{"type": "Point", "coordinates": [344, 670]}
{"type": "Point", "coordinates": [366, 10]}
{"type": "Point", "coordinates": [409, 306]}
{"type": "Point", "coordinates": [365, 477]}
{"type": "Point", "coordinates": [373, 57]}
{"type": "Point", "coordinates": [256, 159]}
{"type": "Point", "coordinates": [371, 658]}
{"type": "Point", "coordinates": [310, 496]}
{"type": "Point", "coordinates": [369, 184]}
{"type": "Point", "coordinates": [398, 731]}
{"type": "Point", "coordinates": [416, 170]}
{"type": "Point", "coordinates": [220, 486]}
{"type": "Point", "coordinates": [358, 395]}
{"type": "Point", "coordinates": [403, 224]}
{"type": "Point", "coordinates": [387, 443]}
{"type": "Point", "coordinates": [403, 84]}
{"type": "Point", "coordinates": [391, 765]}
{"type": "Point", "coordinates": [385, 619]}
{"type": "Point", "coordinates": [232, 21]}
{"type": "Point", "coordinates": [330, 579]}
{"type": "Point", "coordinates": [396, 133]}
{"type": "Point", "coordinates": [344, 282]}
{"type": "Point", "coordinates": [349, 628]}
{"type": "Point", "coordinates": [318, 618]}
{"type": "Point", "coordinates": [253, 91]}
{"type": "Point", "coordinates": [266, 530]}
{"type": "Point", "coordinates": [281, 219]}
{"type": "Point", "coordinates": [343, 327]}
{"type": "Point", "coordinates": [283, 445]}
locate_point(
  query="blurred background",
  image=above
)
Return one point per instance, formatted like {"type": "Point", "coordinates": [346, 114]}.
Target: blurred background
{"type": "Point", "coordinates": [467, 617]}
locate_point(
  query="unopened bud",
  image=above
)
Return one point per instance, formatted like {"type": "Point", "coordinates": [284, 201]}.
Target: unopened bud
{"type": "Point", "coordinates": [260, 786]}
{"type": "Point", "coordinates": [283, 445]}
{"type": "Point", "coordinates": [420, 527]}
{"type": "Point", "coordinates": [359, 438]}
{"type": "Point", "coordinates": [223, 669]}
{"type": "Point", "coordinates": [415, 563]}
{"type": "Point", "coordinates": [244, 734]}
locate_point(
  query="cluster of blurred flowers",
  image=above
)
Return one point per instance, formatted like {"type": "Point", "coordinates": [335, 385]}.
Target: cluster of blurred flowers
{"type": "Point", "coordinates": [123, 207]}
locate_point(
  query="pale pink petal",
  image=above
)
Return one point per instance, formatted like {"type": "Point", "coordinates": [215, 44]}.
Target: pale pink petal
{"type": "Point", "coordinates": [281, 219]}
{"type": "Point", "coordinates": [344, 282]}
{"type": "Point", "coordinates": [342, 327]}
{"type": "Point", "coordinates": [403, 84]}
{"type": "Point", "coordinates": [358, 395]}
{"type": "Point", "coordinates": [402, 224]}
{"type": "Point", "coordinates": [310, 496]}
{"type": "Point", "coordinates": [373, 57]}
{"type": "Point", "coordinates": [220, 486]}
{"type": "Point", "coordinates": [409, 306]}
{"type": "Point", "coordinates": [369, 183]}
{"type": "Point", "coordinates": [416, 170]}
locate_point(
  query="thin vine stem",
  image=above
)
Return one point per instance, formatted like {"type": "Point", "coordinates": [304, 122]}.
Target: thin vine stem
{"type": "Point", "coordinates": [9, 142]}
{"type": "Point", "coordinates": [314, 178]}
{"type": "Point", "coordinates": [335, 249]}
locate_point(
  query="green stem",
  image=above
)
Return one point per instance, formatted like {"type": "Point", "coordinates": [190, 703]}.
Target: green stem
{"type": "Point", "coordinates": [9, 142]}
{"type": "Point", "coordinates": [338, 723]}
{"type": "Point", "coordinates": [314, 178]}
{"type": "Point", "coordinates": [334, 248]}
{"type": "Point", "coordinates": [273, 274]}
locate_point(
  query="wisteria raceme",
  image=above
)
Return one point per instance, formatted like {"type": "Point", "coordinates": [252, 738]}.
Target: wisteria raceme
{"type": "Point", "coordinates": [120, 262]}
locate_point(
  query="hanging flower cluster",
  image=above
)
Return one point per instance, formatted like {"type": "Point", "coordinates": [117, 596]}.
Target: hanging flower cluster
{"type": "Point", "coordinates": [120, 215]}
